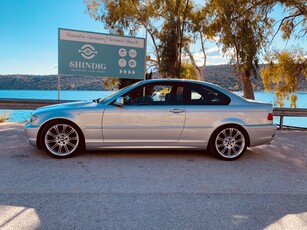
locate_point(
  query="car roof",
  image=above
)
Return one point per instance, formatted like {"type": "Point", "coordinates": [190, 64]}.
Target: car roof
{"type": "Point", "coordinates": [171, 80]}
{"type": "Point", "coordinates": [178, 80]}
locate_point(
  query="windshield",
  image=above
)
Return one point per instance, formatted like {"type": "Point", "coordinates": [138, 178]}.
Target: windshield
{"type": "Point", "coordinates": [115, 93]}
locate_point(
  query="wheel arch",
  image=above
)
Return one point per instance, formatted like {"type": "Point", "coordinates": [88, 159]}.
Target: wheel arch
{"type": "Point", "coordinates": [231, 125]}
{"type": "Point", "coordinates": [40, 132]}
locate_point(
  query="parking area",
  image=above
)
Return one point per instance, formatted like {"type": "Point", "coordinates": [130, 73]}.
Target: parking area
{"type": "Point", "coordinates": [153, 189]}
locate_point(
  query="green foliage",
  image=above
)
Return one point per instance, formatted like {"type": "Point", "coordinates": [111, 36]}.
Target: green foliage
{"type": "Point", "coordinates": [188, 71]}
{"type": "Point", "coordinates": [241, 27]}
{"type": "Point", "coordinates": [169, 24]}
{"type": "Point", "coordinates": [286, 67]}
{"type": "Point", "coordinates": [242, 30]}
{"type": "Point", "coordinates": [282, 74]}
{"type": "Point", "coordinates": [294, 22]}
{"type": "Point", "coordinates": [169, 50]}
{"type": "Point", "coordinates": [110, 83]}
{"type": "Point", "coordinates": [119, 16]}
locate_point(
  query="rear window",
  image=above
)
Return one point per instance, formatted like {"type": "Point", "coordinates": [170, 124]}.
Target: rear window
{"type": "Point", "coordinates": [196, 94]}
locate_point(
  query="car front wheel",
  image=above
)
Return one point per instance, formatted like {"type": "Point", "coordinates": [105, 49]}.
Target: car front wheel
{"type": "Point", "coordinates": [61, 139]}
{"type": "Point", "coordinates": [228, 143]}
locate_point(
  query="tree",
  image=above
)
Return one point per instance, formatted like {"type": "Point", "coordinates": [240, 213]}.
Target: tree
{"type": "Point", "coordinates": [110, 82]}
{"type": "Point", "coordinates": [169, 24]}
{"type": "Point", "coordinates": [199, 29]}
{"type": "Point", "coordinates": [294, 21]}
{"type": "Point", "coordinates": [282, 73]}
{"type": "Point", "coordinates": [284, 68]}
{"type": "Point", "coordinates": [188, 71]}
{"type": "Point", "coordinates": [241, 29]}
{"type": "Point", "coordinates": [297, 17]}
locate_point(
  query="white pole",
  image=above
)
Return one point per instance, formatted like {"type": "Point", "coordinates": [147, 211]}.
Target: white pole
{"type": "Point", "coordinates": [59, 86]}
{"type": "Point", "coordinates": [145, 49]}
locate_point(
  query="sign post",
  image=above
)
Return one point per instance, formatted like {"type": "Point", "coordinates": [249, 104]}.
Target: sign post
{"type": "Point", "coordinates": [59, 87]}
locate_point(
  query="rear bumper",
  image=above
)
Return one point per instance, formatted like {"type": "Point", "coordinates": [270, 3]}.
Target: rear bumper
{"type": "Point", "coordinates": [260, 134]}
{"type": "Point", "coordinates": [31, 133]}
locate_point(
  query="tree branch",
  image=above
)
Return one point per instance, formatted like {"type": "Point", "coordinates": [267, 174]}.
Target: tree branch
{"type": "Point", "coordinates": [282, 21]}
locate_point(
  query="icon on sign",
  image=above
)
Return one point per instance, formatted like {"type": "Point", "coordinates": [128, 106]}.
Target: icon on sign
{"type": "Point", "coordinates": [122, 52]}
{"type": "Point", "coordinates": [87, 51]}
{"type": "Point", "coordinates": [122, 62]}
{"type": "Point", "coordinates": [130, 72]}
{"type": "Point", "coordinates": [132, 53]}
{"type": "Point", "coordinates": [132, 63]}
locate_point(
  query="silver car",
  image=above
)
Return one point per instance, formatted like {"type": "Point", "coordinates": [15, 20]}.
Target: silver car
{"type": "Point", "coordinates": [155, 114]}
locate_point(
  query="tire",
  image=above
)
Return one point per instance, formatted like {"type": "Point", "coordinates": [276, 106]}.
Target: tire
{"type": "Point", "coordinates": [62, 139]}
{"type": "Point", "coordinates": [228, 143]}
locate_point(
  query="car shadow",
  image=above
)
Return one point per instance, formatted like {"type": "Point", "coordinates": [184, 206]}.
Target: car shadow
{"type": "Point", "coordinates": [149, 153]}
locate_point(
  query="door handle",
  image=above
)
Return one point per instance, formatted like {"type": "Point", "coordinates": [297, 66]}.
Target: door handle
{"type": "Point", "coordinates": [177, 111]}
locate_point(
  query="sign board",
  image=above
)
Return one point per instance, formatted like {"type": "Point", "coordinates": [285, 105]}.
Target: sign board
{"type": "Point", "coordinates": [95, 54]}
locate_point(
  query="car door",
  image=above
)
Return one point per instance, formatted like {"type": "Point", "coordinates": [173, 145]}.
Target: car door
{"type": "Point", "coordinates": [151, 113]}
{"type": "Point", "coordinates": [204, 107]}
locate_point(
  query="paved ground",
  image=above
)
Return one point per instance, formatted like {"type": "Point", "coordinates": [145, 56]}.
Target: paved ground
{"type": "Point", "coordinates": [265, 189]}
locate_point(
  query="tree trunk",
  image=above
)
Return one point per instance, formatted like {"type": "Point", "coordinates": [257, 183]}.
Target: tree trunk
{"type": "Point", "coordinates": [247, 87]}
{"type": "Point", "coordinates": [198, 69]}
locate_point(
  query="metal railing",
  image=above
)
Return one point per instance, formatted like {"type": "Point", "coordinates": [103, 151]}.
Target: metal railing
{"type": "Point", "coordinates": [288, 112]}
{"type": "Point", "coordinates": [30, 104]}
{"type": "Point", "coordinates": [27, 104]}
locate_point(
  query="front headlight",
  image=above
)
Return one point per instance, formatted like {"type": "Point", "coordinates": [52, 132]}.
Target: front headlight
{"type": "Point", "coordinates": [33, 118]}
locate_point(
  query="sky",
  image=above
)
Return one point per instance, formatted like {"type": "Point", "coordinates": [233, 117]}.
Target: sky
{"type": "Point", "coordinates": [29, 35]}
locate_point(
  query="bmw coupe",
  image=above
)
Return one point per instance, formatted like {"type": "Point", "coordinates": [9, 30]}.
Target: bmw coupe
{"type": "Point", "coordinates": [165, 113]}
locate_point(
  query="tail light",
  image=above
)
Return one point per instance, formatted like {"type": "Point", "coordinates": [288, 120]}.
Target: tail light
{"type": "Point", "coordinates": [270, 116]}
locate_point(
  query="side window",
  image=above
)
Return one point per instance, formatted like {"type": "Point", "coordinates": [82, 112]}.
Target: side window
{"type": "Point", "coordinates": [203, 95]}
{"type": "Point", "coordinates": [155, 94]}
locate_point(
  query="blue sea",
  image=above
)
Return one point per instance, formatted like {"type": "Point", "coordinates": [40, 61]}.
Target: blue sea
{"type": "Point", "coordinates": [24, 115]}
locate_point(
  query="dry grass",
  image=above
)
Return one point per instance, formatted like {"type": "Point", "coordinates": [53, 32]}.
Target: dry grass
{"type": "Point", "coordinates": [4, 117]}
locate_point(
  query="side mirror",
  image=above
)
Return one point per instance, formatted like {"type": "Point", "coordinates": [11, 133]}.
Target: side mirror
{"type": "Point", "coordinates": [119, 101]}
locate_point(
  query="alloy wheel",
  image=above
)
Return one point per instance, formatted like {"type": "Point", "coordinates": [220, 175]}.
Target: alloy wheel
{"type": "Point", "coordinates": [230, 143]}
{"type": "Point", "coordinates": [61, 139]}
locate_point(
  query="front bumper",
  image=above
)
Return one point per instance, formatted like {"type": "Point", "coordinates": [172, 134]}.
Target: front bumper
{"type": "Point", "coordinates": [31, 133]}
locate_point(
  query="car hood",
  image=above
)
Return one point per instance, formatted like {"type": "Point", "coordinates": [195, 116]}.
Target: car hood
{"type": "Point", "coordinates": [67, 106]}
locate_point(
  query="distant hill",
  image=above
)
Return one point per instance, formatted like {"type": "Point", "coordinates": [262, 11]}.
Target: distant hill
{"type": "Point", "coordinates": [222, 75]}
{"type": "Point", "coordinates": [50, 82]}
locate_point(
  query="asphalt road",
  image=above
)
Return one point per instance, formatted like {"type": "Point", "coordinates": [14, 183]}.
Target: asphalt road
{"type": "Point", "coordinates": [153, 189]}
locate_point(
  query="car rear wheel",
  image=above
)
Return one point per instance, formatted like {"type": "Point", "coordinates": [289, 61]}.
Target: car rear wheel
{"type": "Point", "coordinates": [228, 143]}
{"type": "Point", "coordinates": [61, 139]}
